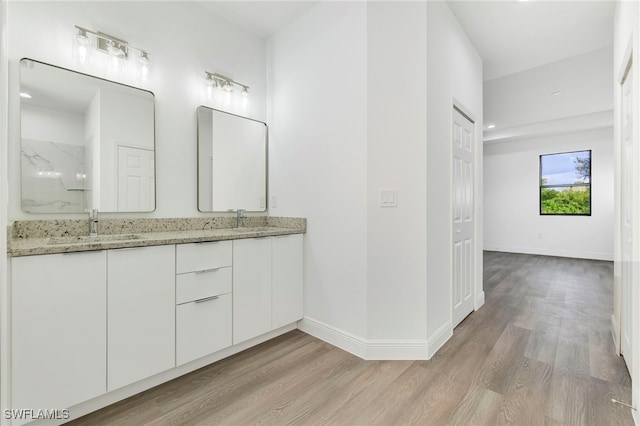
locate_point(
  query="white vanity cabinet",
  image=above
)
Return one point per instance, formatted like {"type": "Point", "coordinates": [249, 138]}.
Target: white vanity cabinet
{"type": "Point", "coordinates": [58, 329]}
{"type": "Point", "coordinates": [86, 325]}
{"type": "Point", "coordinates": [267, 284]}
{"type": "Point", "coordinates": [141, 313]}
{"type": "Point", "coordinates": [286, 280]}
{"type": "Point", "coordinates": [251, 288]}
{"type": "Point", "coordinates": [203, 299]}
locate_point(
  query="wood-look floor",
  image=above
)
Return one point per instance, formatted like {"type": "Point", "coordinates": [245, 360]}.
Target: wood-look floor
{"type": "Point", "coordinates": [539, 352]}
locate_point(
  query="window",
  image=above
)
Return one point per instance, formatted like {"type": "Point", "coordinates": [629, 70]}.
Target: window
{"type": "Point", "coordinates": [565, 183]}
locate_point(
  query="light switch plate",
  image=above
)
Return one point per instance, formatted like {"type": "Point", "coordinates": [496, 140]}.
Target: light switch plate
{"type": "Point", "coordinates": [388, 198]}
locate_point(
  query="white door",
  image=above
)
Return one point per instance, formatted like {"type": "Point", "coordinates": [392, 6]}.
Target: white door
{"type": "Point", "coordinates": [626, 211]}
{"type": "Point", "coordinates": [136, 179]}
{"type": "Point", "coordinates": [463, 221]}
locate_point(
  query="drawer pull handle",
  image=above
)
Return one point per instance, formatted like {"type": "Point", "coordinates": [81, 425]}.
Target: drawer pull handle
{"type": "Point", "coordinates": [207, 270]}
{"type": "Point", "coordinates": [206, 299]}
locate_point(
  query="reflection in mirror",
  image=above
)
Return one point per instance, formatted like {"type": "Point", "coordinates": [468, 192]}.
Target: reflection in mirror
{"type": "Point", "coordinates": [232, 162]}
{"type": "Point", "coordinates": [86, 143]}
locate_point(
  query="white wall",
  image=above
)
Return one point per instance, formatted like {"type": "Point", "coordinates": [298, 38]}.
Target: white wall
{"type": "Point", "coordinates": [180, 54]}
{"type": "Point", "coordinates": [342, 129]}
{"type": "Point", "coordinates": [454, 74]}
{"type": "Point", "coordinates": [52, 125]}
{"type": "Point", "coordinates": [318, 154]}
{"type": "Point", "coordinates": [396, 157]}
{"type": "Point", "coordinates": [512, 220]}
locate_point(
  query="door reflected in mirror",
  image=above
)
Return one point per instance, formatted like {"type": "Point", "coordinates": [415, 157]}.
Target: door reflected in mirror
{"type": "Point", "coordinates": [232, 162]}
{"type": "Point", "coordinates": [86, 143]}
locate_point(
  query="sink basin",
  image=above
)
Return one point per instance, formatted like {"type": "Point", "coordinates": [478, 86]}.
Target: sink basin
{"type": "Point", "coordinates": [96, 239]}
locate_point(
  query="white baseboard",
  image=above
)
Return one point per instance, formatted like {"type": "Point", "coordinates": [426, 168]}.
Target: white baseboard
{"type": "Point", "coordinates": [479, 301]}
{"type": "Point", "coordinates": [377, 349]}
{"type": "Point", "coordinates": [552, 252]}
{"type": "Point", "coordinates": [615, 333]}
{"type": "Point", "coordinates": [635, 401]}
{"type": "Point", "coordinates": [439, 338]}
{"type": "Point", "coordinates": [339, 338]}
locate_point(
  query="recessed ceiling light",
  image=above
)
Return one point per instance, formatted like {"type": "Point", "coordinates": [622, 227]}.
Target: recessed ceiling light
{"type": "Point", "coordinates": [557, 93]}
{"type": "Point", "coordinates": [491, 126]}
{"type": "Point", "coordinates": [25, 95]}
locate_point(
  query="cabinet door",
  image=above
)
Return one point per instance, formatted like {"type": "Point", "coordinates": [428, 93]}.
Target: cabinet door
{"type": "Point", "coordinates": [251, 288]}
{"type": "Point", "coordinates": [58, 329]}
{"type": "Point", "coordinates": [202, 327]}
{"type": "Point", "coordinates": [141, 313]}
{"type": "Point", "coordinates": [286, 282]}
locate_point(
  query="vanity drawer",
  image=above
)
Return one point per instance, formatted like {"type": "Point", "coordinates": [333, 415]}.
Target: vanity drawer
{"type": "Point", "coordinates": [203, 328]}
{"type": "Point", "coordinates": [198, 285]}
{"type": "Point", "coordinates": [202, 256]}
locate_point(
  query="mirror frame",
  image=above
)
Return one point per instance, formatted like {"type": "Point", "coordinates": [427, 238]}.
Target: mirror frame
{"type": "Point", "coordinates": [266, 161]}
{"type": "Point", "coordinates": [155, 162]}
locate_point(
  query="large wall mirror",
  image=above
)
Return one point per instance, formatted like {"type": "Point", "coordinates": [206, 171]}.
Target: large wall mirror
{"type": "Point", "coordinates": [232, 162]}
{"type": "Point", "coordinates": [86, 143]}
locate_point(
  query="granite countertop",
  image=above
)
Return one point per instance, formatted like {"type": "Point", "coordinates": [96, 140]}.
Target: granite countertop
{"type": "Point", "coordinates": [50, 237]}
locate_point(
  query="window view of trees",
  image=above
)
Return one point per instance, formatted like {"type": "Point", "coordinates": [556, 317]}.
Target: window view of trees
{"type": "Point", "coordinates": [565, 183]}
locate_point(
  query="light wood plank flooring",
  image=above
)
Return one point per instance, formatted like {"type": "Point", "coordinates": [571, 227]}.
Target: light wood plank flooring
{"type": "Point", "coordinates": [539, 352]}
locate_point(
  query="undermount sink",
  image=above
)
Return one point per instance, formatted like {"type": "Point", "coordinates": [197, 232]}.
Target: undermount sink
{"type": "Point", "coordinates": [93, 239]}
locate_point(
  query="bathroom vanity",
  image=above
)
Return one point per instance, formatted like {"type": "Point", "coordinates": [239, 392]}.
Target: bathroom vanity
{"type": "Point", "coordinates": [95, 320]}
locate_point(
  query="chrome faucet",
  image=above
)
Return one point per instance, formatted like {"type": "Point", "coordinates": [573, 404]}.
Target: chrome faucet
{"type": "Point", "coordinates": [240, 218]}
{"type": "Point", "coordinates": [93, 223]}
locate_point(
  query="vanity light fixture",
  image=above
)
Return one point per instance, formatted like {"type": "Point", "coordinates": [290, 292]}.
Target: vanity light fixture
{"type": "Point", "coordinates": [118, 51]}
{"type": "Point", "coordinates": [219, 81]}
{"type": "Point", "coordinates": [220, 90]}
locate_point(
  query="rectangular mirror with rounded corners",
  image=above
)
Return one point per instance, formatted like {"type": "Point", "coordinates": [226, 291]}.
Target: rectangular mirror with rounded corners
{"type": "Point", "coordinates": [232, 162]}
{"type": "Point", "coordinates": [86, 143]}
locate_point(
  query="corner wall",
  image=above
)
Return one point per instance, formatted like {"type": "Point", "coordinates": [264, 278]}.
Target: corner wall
{"type": "Point", "coordinates": [396, 160]}
{"type": "Point", "coordinates": [511, 198]}
{"type": "Point", "coordinates": [454, 75]}
{"type": "Point", "coordinates": [361, 99]}
{"type": "Point", "coordinates": [318, 157]}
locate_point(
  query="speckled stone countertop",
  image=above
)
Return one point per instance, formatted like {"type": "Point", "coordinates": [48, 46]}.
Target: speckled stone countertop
{"type": "Point", "coordinates": [35, 237]}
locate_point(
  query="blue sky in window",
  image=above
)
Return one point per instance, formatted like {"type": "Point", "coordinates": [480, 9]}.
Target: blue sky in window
{"type": "Point", "coordinates": [559, 169]}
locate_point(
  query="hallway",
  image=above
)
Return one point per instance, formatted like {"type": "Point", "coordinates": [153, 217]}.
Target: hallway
{"type": "Point", "coordinates": [539, 352]}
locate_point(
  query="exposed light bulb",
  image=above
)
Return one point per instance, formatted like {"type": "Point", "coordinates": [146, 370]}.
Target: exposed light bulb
{"type": "Point", "coordinates": [491, 126]}
{"type": "Point", "coordinates": [228, 87]}
{"type": "Point", "coordinates": [114, 49]}
{"type": "Point", "coordinates": [82, 43]}
{"type": "Point", "coordinates": [245, 91]}
{"type": "Point", "coordinates": [25, 95]}
{"type": "Point", "coordinates": [144, 65]}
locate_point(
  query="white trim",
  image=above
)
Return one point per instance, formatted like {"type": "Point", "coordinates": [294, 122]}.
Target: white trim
{"type": "Point", "coordinates": [378, 349]}
{"type": "Point", "coordinates": [479, 300]}
{"type": "Point", "coordinates": [439, 338]}
{"type": "Point", "coordinates": [552, 252]}
{"type": "Point", "coordinates": [332, 335]}
{"type": "Point", "coordinates": [5, 291]}
{"type": "Point", "coordinates": [615, 330]}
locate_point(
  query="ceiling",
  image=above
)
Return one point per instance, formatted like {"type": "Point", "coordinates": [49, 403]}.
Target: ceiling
{"type": "Point", "coordinates": [510, 36]}
{"type": "Point", "coordinates": [262, 18]}
{"type": "Point", "coordinates": [513, 36]}
{"type": "Point", "coordinates": [530, 49]}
